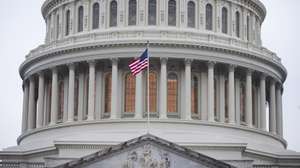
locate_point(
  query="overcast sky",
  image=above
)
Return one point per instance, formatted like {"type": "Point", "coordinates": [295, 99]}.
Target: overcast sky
{"type": "Point", "coordinates": [22, 28]}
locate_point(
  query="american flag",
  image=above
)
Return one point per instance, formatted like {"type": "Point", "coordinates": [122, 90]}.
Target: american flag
{"type": "Point", "coordinates": [139, 64]}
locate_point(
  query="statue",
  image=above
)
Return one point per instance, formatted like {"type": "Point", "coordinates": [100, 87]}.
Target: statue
{"type": "Point", "coordinates": [131, 160]}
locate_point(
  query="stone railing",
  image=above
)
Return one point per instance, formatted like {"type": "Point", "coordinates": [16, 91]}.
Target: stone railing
{"type": "Point", "coordinates": [20, 165]}
{"type": "Point", "coordinates": [187, 37]}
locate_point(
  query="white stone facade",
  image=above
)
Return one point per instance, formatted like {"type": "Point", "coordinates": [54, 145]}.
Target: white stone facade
{"type": "Point", "coordinates": [226, 82]}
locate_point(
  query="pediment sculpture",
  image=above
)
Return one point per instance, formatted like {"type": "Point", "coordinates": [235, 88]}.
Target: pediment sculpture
{"type": "Point", "coordinates": [146, 159]}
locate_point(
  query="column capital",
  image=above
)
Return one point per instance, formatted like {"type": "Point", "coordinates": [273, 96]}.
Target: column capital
{"type": "Point", "coordinates": [91, 62]}
{"type": "Point", "coordinates": [164, 60]}
{"type": "Point", "coordinates": [250, 71]}
{"type": "Point", "coordinates": [263, 76]}
{"type": "Point", "coordinates": [71, 65]}
{"type": "Point", "coordinates": [54, 69]}
{"type": "Point", "coordinates": [211, 64]}
{"type": "Point", "coordinates": [232, 67]}
{"type": "Point", "coordinates": [188, 61]}
{"type": "Point", "coordinates": [114, 60]}
{"type": "Point", "coordinates": [41, 73]}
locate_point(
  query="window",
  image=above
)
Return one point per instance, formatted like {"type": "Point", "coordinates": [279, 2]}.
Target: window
{"type": "Point", "coordinates": [152, 12]}
{"type": "Point", "coordinates": [113, 14]}
{"type": "Point", "coordinates": [132, 12]}
{"type": "Point", "coordinates": [191, 14]}
{"type": "Point", "coordinates": [80, 19]}
{"type": "Point", "coordinates": [57, 26]}
{"type": "Point", "coordinates": [208, 16]}
{"type": "Point", "coordinates": [152, 92]}
{"type": "Point", "coordinates": [172, 13]}
{"type": "Point", "coordinates": [194, 95]}
{"type": "Point", "coordinates": [96, 11]}
{"type": "Point", "coordinates": [60, 99]}
{"type": "Point", "coordinates": [67, 22]}
{"type": "Point", "coordinates": [248, 28]}
{"type": "Point", "coordinates": [129, 93]}
{"type": "Point", "coordinates": [254, 104]}
{"type": "Point", "coordinates": [237, 24]}
{"type": "Point", "coordinates": [226, 99]}
{"type": "Point", "coordinates": [76, 95]}
{"type": "Point", "coordinates": [172, 92]}
{"type": "Point", "coordinates": [107, 93]}
{"type": "Point", "coordinates": [243, 101]}
{"type": "Point", "coordinates": [224, 20]}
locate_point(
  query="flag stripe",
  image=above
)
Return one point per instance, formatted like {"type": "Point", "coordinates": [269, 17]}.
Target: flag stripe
{"type": "Point", "coordinates": [139, 64]}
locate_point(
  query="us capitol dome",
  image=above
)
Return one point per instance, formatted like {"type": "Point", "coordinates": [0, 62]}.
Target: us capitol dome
{"type": "Point", "coordinates": [215, 92]}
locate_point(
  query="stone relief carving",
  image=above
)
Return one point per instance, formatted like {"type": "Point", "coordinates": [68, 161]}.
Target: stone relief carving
{"type": "Point", "coordinates": [145, 159]}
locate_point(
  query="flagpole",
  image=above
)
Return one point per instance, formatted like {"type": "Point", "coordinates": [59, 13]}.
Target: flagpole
{"type": "Point", "coordinates": [148, 91]}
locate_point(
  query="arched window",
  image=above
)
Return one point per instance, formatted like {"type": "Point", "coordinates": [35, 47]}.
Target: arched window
{"type": "Point", "coordinates": [107, 93]}
{"type": "Point", "coordinates": [57, 26]}
{"type": "Point", "coordinates": [191, 14]}
{"type": "Point", "coordinates": [208, 16]}
{"type": "Point", "coordinates": [237, 24]}
{"type": "Point", "coordinates": [152, 92]}
{"type": "Point", "coordinates": [243, 101]}
{"type": "Point", "coordinates": [194, 99]}
{"type": "Point", "coordinates": [67, 22]}
{"type": "Point", "coordinates": [172, 92]}
{"type": "Point", "coordinates": [224, 20]}
{"type": "Point", "coordinates": [113, 18]}
{"type": "Point", "coordinates": [132, 12]}
{"type": "Point", "coordinates": [152, 12]}
{"type": "Point", "coordinates": [129, 93]}
{"type": "Point", "coordinates": [172, 13]}
{"type": "Point", "coordinates": [96, 14]}
{"type": "Point", "coordinates": [248, 28]}
{"type": "Point", "coordinates": [80, 19]}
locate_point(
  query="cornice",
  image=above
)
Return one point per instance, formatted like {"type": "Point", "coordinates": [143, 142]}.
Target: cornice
{"type": "Point", "coordinates": [71, 49]}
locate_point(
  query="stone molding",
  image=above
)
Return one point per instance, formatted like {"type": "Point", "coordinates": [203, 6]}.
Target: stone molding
{"type": "Point", "coordinates": [60, 56]}
{"type": "Point", "coordinates": [173, 121]}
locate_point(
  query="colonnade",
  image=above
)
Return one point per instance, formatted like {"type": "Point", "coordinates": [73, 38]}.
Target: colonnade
{"type": "Point", "coordinates": [41, 109]}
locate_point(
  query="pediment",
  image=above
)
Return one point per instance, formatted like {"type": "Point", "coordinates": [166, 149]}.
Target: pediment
{"type": "Point", "coordinates": [146, 152]}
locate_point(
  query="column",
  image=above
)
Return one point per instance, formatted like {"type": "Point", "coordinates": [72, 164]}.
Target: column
{"type": "Point", "coordinates": [71, 93]}
{"type": "Point", "coordinates": [231, 92]}
{"type": "Point", "coordinates": [188, 90]}
{"type": "Point", "coordinates": [114, 89]}
{"type": "Point", "coordinates": [249, 98]}
{"type": "Point", "coordinates": [222, 97]}
{"type": "Point", "coordinates": [54, 97]}
{"type": "Point", "coordinates": [210, 96]}
{"type": "Point", "coordinates": [91, 100]}
{"type": "Point", "coordinates": [163, 89]}
{"type": "Point", "coordinates": [237, 101]}
{"type": "Point", "coordinates": [272, 115]}
{"type": "Point", "coordinates": [279, 110]}
{"type": "Point", "coordinates": [40, 114]}
{"type": "Point", "coordinates": [139, 96]}
{"type": "Point", "coordinates": [263, 118]}
{"type": "Point", "coordinates": [25, 106]}
{"type": "Point", "coordinates": [31, 104]}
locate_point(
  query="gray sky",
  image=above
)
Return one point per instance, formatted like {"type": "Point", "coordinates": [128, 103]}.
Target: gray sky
{"type": "Point", "coordinates": [22, 29]}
